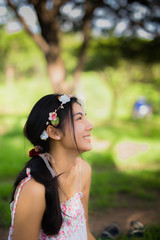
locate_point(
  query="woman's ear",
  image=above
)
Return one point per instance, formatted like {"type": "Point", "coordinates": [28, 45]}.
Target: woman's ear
{"type": "Point", "coordinates": [53, 132]}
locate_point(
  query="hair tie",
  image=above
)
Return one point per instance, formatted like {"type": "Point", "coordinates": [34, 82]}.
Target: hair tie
{"type": "Point", "coordinates": [35, 151]}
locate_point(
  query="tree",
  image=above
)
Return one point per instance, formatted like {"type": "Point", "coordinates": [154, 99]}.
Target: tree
{"type": "Point", "coordinates": [103, 16]}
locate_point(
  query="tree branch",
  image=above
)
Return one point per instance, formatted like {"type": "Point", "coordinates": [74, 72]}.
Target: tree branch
{"type": "Point", "coordinates": [57, 5]}
{"type": "Point", "coordinates": [39, 40]}
{"type": "Point", "coordinates": [86, 38]}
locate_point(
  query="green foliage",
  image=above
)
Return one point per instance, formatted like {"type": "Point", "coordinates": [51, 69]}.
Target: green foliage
{"type": "Point", "coordinates": [70, 51]}
{"type": "Point", "coordinates": [5, 214]}
{"type": "Point", "coordinates": [18, 51]}
{"type": "Point", "coordinates": [15, 99]}
{"type": "Point", "coordinates": [109, 51]}
{"type": "Point", "coordinates": [5, 191]}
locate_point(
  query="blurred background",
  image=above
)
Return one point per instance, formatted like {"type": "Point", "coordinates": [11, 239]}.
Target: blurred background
{"type": "Point", "coordinates": [108, 54]}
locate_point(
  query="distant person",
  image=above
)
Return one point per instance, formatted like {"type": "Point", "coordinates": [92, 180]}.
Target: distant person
{"type": "Point", "coordinates": [50, 198]}
{"type": "Point", "coordinates": [141, 108]}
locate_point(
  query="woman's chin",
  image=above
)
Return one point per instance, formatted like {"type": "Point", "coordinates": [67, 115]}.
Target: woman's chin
{"type": "Point", "coordinates": [86, 149]}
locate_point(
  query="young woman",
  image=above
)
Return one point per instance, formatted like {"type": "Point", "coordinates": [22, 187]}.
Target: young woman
{"type": "Point", "coordinates": [50, 199]}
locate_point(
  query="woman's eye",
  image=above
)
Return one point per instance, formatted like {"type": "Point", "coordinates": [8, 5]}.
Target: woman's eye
{"type": "Point", "coordinates": [80, 118]}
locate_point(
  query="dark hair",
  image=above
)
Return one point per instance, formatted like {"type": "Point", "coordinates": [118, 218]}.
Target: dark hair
{"type": "Point", "coordinates": [35, 124]}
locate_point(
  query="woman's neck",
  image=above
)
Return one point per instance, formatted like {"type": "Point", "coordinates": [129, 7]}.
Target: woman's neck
{"type": "Point", "coordinates": [64, 161]}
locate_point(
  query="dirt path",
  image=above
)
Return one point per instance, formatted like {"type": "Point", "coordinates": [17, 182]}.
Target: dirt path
{"type": "Point", "coordinates": [98, 221]}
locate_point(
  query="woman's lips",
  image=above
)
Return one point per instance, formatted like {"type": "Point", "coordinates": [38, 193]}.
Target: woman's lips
{"type": "Point", "coordinates": [88, 138]}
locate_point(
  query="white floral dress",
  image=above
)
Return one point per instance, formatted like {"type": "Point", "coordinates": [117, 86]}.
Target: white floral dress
{"type": "Point", "coordinates": [74, 222]}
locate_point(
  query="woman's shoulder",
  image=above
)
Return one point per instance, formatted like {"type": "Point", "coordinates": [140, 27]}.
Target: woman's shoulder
{"type": "Point", "coordinates": [29, 204]}
{"type": "Point", "coordinates": [85, 175]}
{"type": "Point", "coordinates": [32, 190]}
{"type": "Point", "coordinates": [34, 187]}
{"type": "Point", "coordinates": [32, 196]}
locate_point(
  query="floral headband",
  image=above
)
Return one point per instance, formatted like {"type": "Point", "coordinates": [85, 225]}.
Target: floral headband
{"type": "Point", "coordinates": [53, 115]}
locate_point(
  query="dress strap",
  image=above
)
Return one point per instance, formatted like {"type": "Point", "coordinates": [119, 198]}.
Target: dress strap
{"type": "Point", "coordinates": [46, 157]}
{"type": "Point", "coordinates": [79, 162]}
{"type": "Point", "coordinates": [18, 190]}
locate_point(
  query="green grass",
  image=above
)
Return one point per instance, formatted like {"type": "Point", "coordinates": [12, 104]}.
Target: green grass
{"type": "Point", "coordinates": [111, 189]}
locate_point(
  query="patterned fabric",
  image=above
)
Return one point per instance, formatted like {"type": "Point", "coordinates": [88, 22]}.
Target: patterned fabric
{"type": "Point", "coordinates": [74, 222]}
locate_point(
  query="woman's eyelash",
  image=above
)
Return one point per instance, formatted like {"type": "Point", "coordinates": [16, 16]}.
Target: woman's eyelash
{"type": "Point", "coordinates": [79, 118]}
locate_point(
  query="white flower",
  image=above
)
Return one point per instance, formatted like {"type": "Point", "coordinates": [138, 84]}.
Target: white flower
{"type": "Point", "coordinates": [64, 99]}
{"type": "Point", "coordinates": [44, 135]}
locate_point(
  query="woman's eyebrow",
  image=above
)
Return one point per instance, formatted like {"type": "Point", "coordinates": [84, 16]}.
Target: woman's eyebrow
{"type": "Point", "coordinates": [79, 113]}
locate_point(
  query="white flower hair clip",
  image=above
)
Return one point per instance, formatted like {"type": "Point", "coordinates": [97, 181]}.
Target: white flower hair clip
{"type": "Point", "coordinates": [53, 115]}
{"type": "Point", "coordinates": [44, 135]}
{"type": "Point", "coordinates": [64, 99]}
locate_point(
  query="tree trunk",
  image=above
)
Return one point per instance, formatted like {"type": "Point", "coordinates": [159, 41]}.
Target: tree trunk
{"type": "Point", "coordinates": [57, 74]}
{"type": "Point", "coordinates": [82, 55]}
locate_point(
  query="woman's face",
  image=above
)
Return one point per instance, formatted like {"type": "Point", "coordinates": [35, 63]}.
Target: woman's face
{"type": "Point", "coordinates": [82, 128]}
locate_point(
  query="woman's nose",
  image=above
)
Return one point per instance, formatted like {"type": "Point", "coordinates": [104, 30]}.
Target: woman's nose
{"type": "Point", "coordinates": [89, 126]}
